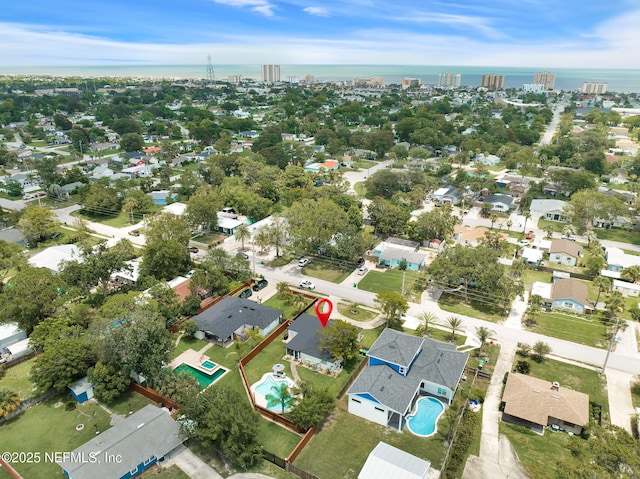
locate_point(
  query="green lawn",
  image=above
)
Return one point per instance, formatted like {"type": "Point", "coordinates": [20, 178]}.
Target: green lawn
{"type": "Point", "coordinates": [327, 270]}
{"type": "Point", "coordinates": [355, 312]}
{"type": "Point", "coordinates": [635, 392]}
{"type": "Point", "coordinates": [388, 280]}
{"type": "Point", "coordinates": [538, 454]}
{"type": "Point", "coordinates": [17, 380]}
{"type": "Point", "coordinates": [614, 234]}
{"type": "Point", "coordinates": [364, 164]}
{"type": "Point", "coordinates": [289, 309]}
{"type": "Point", "coordinates": [573, 377]}
{"type": "Point", "coordinates": [276, 439]}
{"type": "Point", "coordinates": [129, 401]}
{"type": "Point", "coordinates": [530, 276]}
{"type": "Point", "coordinates": [481, 310]}
{"type": "Point", "coordinates": [590, 331]}
{"type": "Point", "coordinates": [283, 260]}
{"type": "Point", "coordinates": [188, 343]}
{"type": "Point", "coordinates": [117, 221]}
{"type": "Point", "coordinates": [445, 336]}
{"type": "Point", "coordinates": [360, 188]}
{"type": "Point", "coordinates": [46, 428]}
{"type": "Point", "coordinates": [369, 336]}
{"type": "Point", "coordinates": [347, 440]}
{"type": "Point", "coordinates": [210, 238]}
{"type": "Point", "coordinates": [554, 225]}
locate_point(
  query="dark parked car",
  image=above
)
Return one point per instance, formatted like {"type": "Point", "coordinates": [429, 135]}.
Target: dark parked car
{"type": "Point", "coordinates": [245, 294]}
{"type": "Point", "coordinates": [193, 249]}
{"type": "Point", "coordinates": [263, 283]}
{"type": "Point", "coordinates": [360, 262]}
{"type": "Point", "coordinates": [134, 233]}
{"type": "Point", "coordinates": [243, 255]}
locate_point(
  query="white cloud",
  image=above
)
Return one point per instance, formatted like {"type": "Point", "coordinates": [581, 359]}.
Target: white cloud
{"type": "Point", "coordinates": [260, 6]}
{"type": "Point", "coordinates": [318, 11]}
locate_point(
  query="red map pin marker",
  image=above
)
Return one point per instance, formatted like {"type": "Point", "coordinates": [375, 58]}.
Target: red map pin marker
{"type": "Point", "coordinates": [323, 317]}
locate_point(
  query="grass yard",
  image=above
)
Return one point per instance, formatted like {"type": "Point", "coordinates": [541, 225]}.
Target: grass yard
{"type": "Point", "coordinates": [538, 454]}
{"type": "Point", "coordinates": [369, 336]}
{"type": "Point", "coordinates": [46, 428]}
{"type": "Point", "coordinates": [554, 225]}
{"type": "Point", "coordinates": [17, 379]}
{"type": "Point", "coordinates": [456, 304]}
{"type": "Point", "coordinates": [590, 331]}
{"type": "Point", "coordinates": [117, 221]}
{"type": "Point", "coordinates": [573, 377]}
{"type": "Point", "coordinates": [615, 234]}
{"type": "Point", "coordinates": [635, 392]}
{"type": "Point", "coordinates": [356, 312]}
{"type": "Point", "coordinates": [4, 474]}
{"type": "Point", "coordinates": [288, 310]}
{"type": "Point", "coordinates": [360, 188]}
{"type": "Point", "coordinates": [347, 440]}
{"type": "Point", "coordinates": [530, 276]}
{"type": "Point", "coordinates": [276, 439]}
{"type": "Point", "coordinates": [283, 260]}
{"type": "Point", "coordinates": [364, 164]}
{"type": "Point", "coordinates": [188, 343]}
{"type": "Point", "coordinates": [209, 238]}
{"type": "Point", "coordinates": [129, 401]}
{"type": "Point", "coordinates": [388, 280]}
{"type": "Point", "coordinates": [327, 270]}
{"type": "Point", "coordinates": [171, 472]}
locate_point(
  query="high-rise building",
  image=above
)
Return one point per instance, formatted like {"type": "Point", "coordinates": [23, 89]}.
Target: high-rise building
{"type": "Point", "coordinates": [235, 78]}
{"type": "Point", "coordinates": [545, 78]}
{"type": "Point", "coordinates": [411, 82]}
{"type": "Point", "coordinates": [270, 73]}
{"type": "Point", "coordinates": [594, 88]}
{"type": "Point", "coordinates": [449, 79]}
{"type": "Point", "coordinates": [309, 79]}
{"type": "Point", "coordinates": [370, 82]}
{"type": "Point", "coordinates": [493, 81]}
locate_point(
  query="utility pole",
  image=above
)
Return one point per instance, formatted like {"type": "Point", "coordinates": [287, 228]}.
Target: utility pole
{"type": "Point", "coordinates": [611, 341]}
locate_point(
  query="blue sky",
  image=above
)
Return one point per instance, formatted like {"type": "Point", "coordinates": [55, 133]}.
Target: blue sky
{"type": "Point", "coordinates": [559, 33]}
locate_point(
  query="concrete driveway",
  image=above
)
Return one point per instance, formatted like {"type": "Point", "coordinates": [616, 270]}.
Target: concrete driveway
{"type": "Point", "coordinates": [619, 393]}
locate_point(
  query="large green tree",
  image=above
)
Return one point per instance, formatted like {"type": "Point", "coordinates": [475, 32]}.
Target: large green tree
{"type": "Point", "coordinates": [166, 254]}
{"type": "Point", "coordinates": [202, 209]}
{"type": "Point", "coordinates": [340, 340]}
{"type": "Point", "coordinates": [109, 382]}
{"type": "Point", "coordinates": [37, 223]}
{"type": "Point", "coordinates": [62, 363]}
{"type": "Point", "coordinates": [392, 305]}
{"type": "Point", "coordinates": [313, 224]}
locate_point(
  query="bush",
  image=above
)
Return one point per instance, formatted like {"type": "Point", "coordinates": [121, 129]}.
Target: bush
{"type": "Point", "coordinates": [190, 306]}
{"type": "Point", "coordinates": [3, 370]}
{"type": "Point", "coordinates": [523, 350]}
{"type": "Point", "coordinates": [477, 394]}
{"type": "Point", "coordinates": [69, 405]}
{"type": "Point", "coordinates": [523, 367]}
{"type": "Point", "coordinates": [189, 327]}
{"type": "Point", "coordinates": [463, 441]}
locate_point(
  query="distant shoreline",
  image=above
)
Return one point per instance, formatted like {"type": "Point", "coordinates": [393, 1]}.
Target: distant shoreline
{"type": "Point", "coordinates": [619, 80]}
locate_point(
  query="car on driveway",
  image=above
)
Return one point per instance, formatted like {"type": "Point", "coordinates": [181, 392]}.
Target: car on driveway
{"type": "Point", "coordinates": [134, 233]}
{"type": "Point", "coordinates": [530, 235]}
{"type": "Point", "coordinates": [261, 284]}
{"type": "Point", "coordinates": [360, 263]}
{"type": "Point", "coordinates": [306, 284]}
{"type": "Point", "coordinates": [524, 242]}
{"type": "Point", "coordinates": [242, 254]}
{"type": "Point", "coordinates": [193, 249]}
{"type": "Point", "coordinates": [303, 262]}
{"type": "Point", "coordinates": [362, 271]}
{"type": "Point", "coordinates": [245, 294]}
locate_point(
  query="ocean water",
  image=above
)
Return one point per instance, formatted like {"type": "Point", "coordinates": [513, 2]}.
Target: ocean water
{"type": "Point", "coordinates": [618, 80]}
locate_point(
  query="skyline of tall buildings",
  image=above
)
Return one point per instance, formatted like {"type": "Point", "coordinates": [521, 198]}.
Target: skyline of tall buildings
{"type": "Point", "coordinates": [368, 82]}
{"type": "Point", "coordinates": [546, 79]}
{"type": "Point", "coordinates": [594, 87]}
{"type": "Point", "coordinates": [449, 79]}
{"type": "Point", "coordinates": [492, 81]}
{"type": "Point", "coordinates": [411, 82]}
{"type": "Point", "coordinates": [270, 73]}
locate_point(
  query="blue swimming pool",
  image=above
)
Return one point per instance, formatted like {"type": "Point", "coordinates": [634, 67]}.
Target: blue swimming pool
{"type": "Point", "coordinates": [423, 421]}
{"type": "Point", "coordinates": [264, 387]}
{"type": "Point", "coordinates": [208, 365]}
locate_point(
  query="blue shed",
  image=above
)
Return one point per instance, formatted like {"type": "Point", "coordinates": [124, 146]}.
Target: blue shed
{"type": "Point", "coordinates": [82, 390]}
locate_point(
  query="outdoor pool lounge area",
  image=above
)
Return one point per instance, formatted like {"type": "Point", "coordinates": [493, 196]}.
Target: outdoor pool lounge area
{"type": "Point", "coordinates": [424, 421]}
{"type": "Point", "coordinates": [263, 387]}
{"type": "Point", "coordinates": [205, 377]}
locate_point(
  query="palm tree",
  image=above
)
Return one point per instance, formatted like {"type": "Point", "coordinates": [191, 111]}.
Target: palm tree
{"type": "Point", "coordinates": [493, 219]}
{"type": "Point", "coordinates": [281, 395]}
{"type": "Point", "coordinates": [603, 284]}
{"type": "Point", "coordinates": [299, 302]}
{"type": "Point", "coordinates": [631, 273]}
{"type": "Point", "coordinates": [527, 215]}
{"type": "Point", "coordinates": [591, 238]}
{"type": "Point", "coordinates": [568, 230]}
{"type": "Point", "coordinates": [427, 319]}
{"type": "Point", "coordinates": [615, 304]}
{"type": "Point", "coordinates": [455, 323]}
{"type": "Point", "coordinates": [9, 401]}
{"type": "Point", "coordinates": [483, 333]}
{"type": "Point", "coordinates": [242, 233]}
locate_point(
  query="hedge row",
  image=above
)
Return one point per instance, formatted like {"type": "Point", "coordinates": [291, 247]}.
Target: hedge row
{"type": "Point", "coordinates": [463, 441]}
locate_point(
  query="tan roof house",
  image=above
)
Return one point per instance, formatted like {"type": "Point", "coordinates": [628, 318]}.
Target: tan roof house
{"type": "Point", "coordinates": [472, 236]}
{"type": "Point", "coordinates": [570, 294]}
{"type": "Point", "coordinates": [538, 403]}
{"type": "Point", "coordinates": [564, 251]}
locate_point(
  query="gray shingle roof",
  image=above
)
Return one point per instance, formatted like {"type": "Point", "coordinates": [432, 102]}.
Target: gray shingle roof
{"type": "Point", "coordinates": [438, 363]}
{"type": "Point", "coordinates": [149, 432]}
{"type": "Point", "coordinates": [225, 317]}
{"type": "Point", "coordinates": [307, 339]}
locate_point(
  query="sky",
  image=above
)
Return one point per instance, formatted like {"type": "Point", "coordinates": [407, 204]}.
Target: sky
{"type": "Point", "coordinates": [523, 33]}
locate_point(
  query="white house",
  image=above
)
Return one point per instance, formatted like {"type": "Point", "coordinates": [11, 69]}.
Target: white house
{"type": "Point", "coordinates": [617, 260]}
{"type": "Point", "coordinates": [388, 462]}
{"type": "Point", "coordinates": [552, 210]}
{"type": "Point", "coordinates": [51, 257]}
{"type": "Point", "coordinates": [401, 367]}
{"type": "Point", "coordinates": [499, 202]}
{"type": "Point", "coordinates": [627, 289]}
{"type": "Point", "coordinates": [564, 251]}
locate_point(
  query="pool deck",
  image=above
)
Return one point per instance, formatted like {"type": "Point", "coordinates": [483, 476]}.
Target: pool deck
{"type": "Point", "coordinates": [259, 398]}
{"type": "Point", "coordinates": [194, 359]}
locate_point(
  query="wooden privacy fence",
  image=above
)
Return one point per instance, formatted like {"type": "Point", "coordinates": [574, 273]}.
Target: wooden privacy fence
{"type": "Point", "coordinates": [155, 396]}
{"type": "Point", "coordinates": [352, 378]}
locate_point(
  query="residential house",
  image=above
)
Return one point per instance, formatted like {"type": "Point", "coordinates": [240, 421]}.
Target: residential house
{"type": "Point", "coordinates": [249, 134]}
{"type": "Point", "coordinates": [489, 160]}
{"type": "Point", "coordinates": [227, 320]}
{"type": "Point", "coordinates": [467, 236]}
{"type": "Point", "coordinates": [552, 210]}
{"type": "Point", "coordinates": [13, 235]}
{"type": "Point", "coordinates": [228, 222]}
{"type": "Point", "coordinates": [393, 251]}
{"type": "Point", "coordinates": [100, 172]}
{"type": "Point", "coordinates": [52, 257]}
{"type": "Point", "coordinates": [627, 289]}
{"type": "Point", "coordinates": [127, 449]}
{"type": "Point", "coordinates": [388, 462]}
{"type": "Point", "coordinates": [68, 189]}
{"type": "Point", "coordinates": [617, 259]}
{"type": "Point", "coordinates": [499, 202]}
{"type": "Point", "coordinates": [163, 197]}
{"type": "Point", "coordinates": [304, 343]}
{"type": "Point", "coordinates": [10, 334]}
{"type": "Point", "coordinates": [567, 294]}
{"type": "Point", "coordinates": [447, 194]}
{"type": "Point", "coordinates": [532, 256]}
{"type": "Point", "coordinates": [564, 251]}
{"type": "Point", "coordinates": [539, 403]}
{"type": "Point", "coordinates": [329, 165]}
{"type": "Point", "coordinates": [400, 368]}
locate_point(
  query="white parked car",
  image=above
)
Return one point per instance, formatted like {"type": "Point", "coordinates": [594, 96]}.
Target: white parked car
{"type": "Point", "coordinates": [306, 284]}
{"type": "Point", "coordinates": [362, 271]}
{"type": "Point", "coordinates": [303, 262]}
{"type": "Point", "coordinates": [524, 242]}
